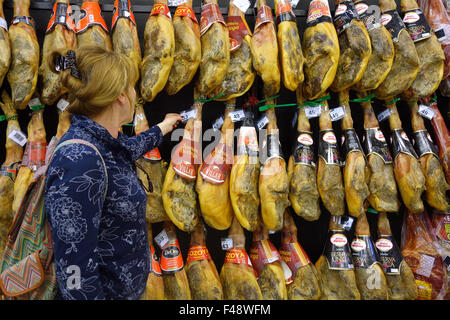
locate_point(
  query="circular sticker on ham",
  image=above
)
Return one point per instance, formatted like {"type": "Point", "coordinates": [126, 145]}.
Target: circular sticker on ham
{"type": "Point", "coordinates": [380, 136]}
{"type": "Point", "coordinates": [385, 18]}
{"type": "Point", "coordinates": [329, 137]}
{"type": "Point", "coordinates": [411, 17]}
{"type": "Point", "coordinates": [338, 239]}
{"type": "Point", "coordinates": [305, 139]}
{"type": "Point", "coordinates": [358, 245]}
{"type": "Point", "coordinates": [384, 245]}
{"type": "Point", "coordinates": [404, 136]}
{"type": "Point", "coordinates": [361, 8]}
{"type": "Point", "coordinates": [171, 252]}
{"type": "Point", "coordinates": [341, 9]}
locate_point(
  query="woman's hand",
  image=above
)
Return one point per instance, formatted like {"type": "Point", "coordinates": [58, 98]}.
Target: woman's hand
{"type": "Point", "coordinates": [169, 123]}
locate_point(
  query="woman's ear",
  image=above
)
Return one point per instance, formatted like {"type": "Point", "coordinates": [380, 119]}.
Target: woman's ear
{"type": "Point", "coordinates": [122, 99]}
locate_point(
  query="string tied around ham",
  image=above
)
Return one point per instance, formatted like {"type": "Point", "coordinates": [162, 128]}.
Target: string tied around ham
{"type": "Point", "coordinates": [208, 100]}
{"type": "Point", "coordinates": [367, 99]}
{"type": "Point", "coordinates": [393, 101]}
{"type": "Point", "coordinates": [5, 118]}
{"type": "Point", "coordinates": [313, 103]}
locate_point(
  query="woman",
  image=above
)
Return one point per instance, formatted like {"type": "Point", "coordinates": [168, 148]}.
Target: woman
{"type": "Point", "coordinates": [98, 220]}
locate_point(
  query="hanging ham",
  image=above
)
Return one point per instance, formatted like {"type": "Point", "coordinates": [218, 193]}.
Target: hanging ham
{"type": "Point", "coordinates": [23, 73]}
{"type": "Point", "coordinates": [155, 283]}
{"type": "Point", "coordinates": [91, 29]}
{"type": "Point", "coordinates": [5, 48]}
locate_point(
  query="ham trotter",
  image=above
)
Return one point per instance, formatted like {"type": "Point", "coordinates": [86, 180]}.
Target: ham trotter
{"type": "Point", "coordinates": [155, 282]}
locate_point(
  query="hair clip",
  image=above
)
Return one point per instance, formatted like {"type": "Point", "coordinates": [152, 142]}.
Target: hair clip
{"type": "Point", "coordinates": [66, 62]}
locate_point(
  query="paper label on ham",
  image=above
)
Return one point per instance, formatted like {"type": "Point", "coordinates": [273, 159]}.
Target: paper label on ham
{"type": "Point", "coordinates": [343, 16]}
{"type": "Point", "coordinates": [217, 165]}
{"type": "Point", "coordinates": [23, 19]}
{"type": "Point", "coordinates": [400, 143]}
{"type": "Point", "coordinates": [247, 143]}
{"type": "Point", "coordinates": [294, 256]}
{"type": "Point", "coordinates": [261, 253]}
{"type": "Point", "coordinates": [210, 14]}
{"type": "Point", "coordinates": [18, 137]}
{"type": "Point", "coordinates": [389, 254]}
{"type": "Point", "coordinates": [424, 290]}
{"type": "Point", "coordinates": [337, 251]}
{"type": "Point", "coordinates": [238, 256]}
{"type": "Point", "coordinates": [171, 258]}
{"type": "Point", "coordinates": [237, 29]}
{"type": "Point", "coordinates": [350, 143]}
{"type": "Point", "coordinates": [34, 155]}
{"type": "Point", "coordinates": [153, 155]}
{"type": "Point", "coordinates": [363, 252]}
{"type": "Point", "coordinates": [423, 143]}
{"type": "Point", "coordinates": [155, 266]}
{"type": "Point", "coordinates": [303, 151]}
{"type": "Point", "coordinates": [375, 143]}
{"type": "Point", "coordinates": [264, 15]}
{"type": "Point", "coordinates": [197, 253]}
{"type": "Point", "coordinates": [160, 8]}
{"type": "Point", "coordinates": [122, 9]}
{"type": "Point", "coordinates": [393, 23]}
{"type": "Point", "coordinates": [271, 148]}
{"type": "Point", "coordinates": [318, 12]}
{"type": "Point", "coordinates": [186, 159]}
{"type": "Point", "coordinates": [328, 148]}
{"type": "Point", "coordinates": [91, 14]}
{"type": "Point", "coordinates": [368, 14]}
{"type": "Point", "coordinates": [443, 226]}
{"type": "Point", "coordinates": [284, 12]}
{"type": "Point", "coordinates": [61, 15]}
{"type": "Point", "coordinates": [417, 25]}
{"type": "Point", "coordinates": [3, 24]}
{"type": "Point", "coordinates": [185, 11]}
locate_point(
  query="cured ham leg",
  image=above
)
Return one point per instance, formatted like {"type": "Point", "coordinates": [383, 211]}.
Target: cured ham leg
{"type": "Point", "coordinates": [23, 72]}
{"type": "Point", "coordinates": [237, 274]}
{"type": "Point", "coordinates": [302, 172]}
{"type": "Point", "coordinates": [204, 280]}
{"type": "Point", "coordinates": [155, 282]}
{"type": "Point", "coordinates": [187, 54]}
{"type": "Point", "coordinates": [435, 184]}
{"type": "Point", "coordinates": [159, 48]}
{"type": "Point", "coordinates": [93, 33]}
{"type": "Point", "coordinates": [5, 48]}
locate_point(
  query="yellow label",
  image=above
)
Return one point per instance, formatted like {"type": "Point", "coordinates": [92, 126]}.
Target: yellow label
{"type": "Point", "coordinates": [424, 289]}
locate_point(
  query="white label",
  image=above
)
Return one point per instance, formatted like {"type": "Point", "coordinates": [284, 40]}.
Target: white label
{"type": "Point", "coordinates": [346, 222]}
{"type": "Point", "coordinates": [340, 9]}
{"type": "Point", "coordinates": [287, 272]}
{"type": "Point", "coordinates": [18, 137]}
{"type": "Point", "coordinates": [218, 123]}
{"type": "Point", "coordinates": [426, 265]}
{"type": "Point", "coordinates": [271, 232]}
{"type": "Point", "coordinates": [384, 115]}
{"type": "Point", "coordinates": [380, 136]}
{"type": "Point", "coordinates": [337, 113]}
{"type": "Point", "coordinates": [226, 243]}
{"type": "Point", "coordinates": [237, 115]}
{"type": "Point", "coordinates": [411, 17]}
{"type": "Point", "coordinates": [34, 102]}
{"type": "Point", "coordinates": [62, 105]}
{"type": "Point", "coordinates": [175, 3]}
{"type": "Point", "coordinates": [358, 245]}
{"type": "Point", "coordinates": [91, 18]}
{"type": "Point", "coordinates": [313, 112]}
{"type": "Point", "coordinates": [3, 24]}
{"type": "Point", "coordinates": [293, 3]}
{"type": "Point", "coordinates": [385, 18]}
{"type": "Point", "coordinates": [305, 139]}
{"type": "Point", "coordinates": [242, 5]}
{"type": "Point", "coordinates": [384, 245]}
{"type": "Point", "coordinates": [338, 240]}
{"type": "Point", "coordinates": [186, 115]}
{"type": "Point", "coordinates": [161, 239]}
{"type": "Point", "coordinates": [329, 137]}
{"type": "Point", "coordinates": [426, 112]}
{"type": "Point", "coordinates": [262, 122]}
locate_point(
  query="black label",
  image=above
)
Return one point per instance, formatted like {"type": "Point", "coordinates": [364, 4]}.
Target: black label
{"type": "Point", "coordinates": [389, 254]}
{"type": "Point", "coordinates": [61, 13]}
{"type": "Point", "coordinates": [344, 14]}
{"type": "Point", "coordinates": [171, 252]}
{"type": "Point", "coordinates": [416, 24]}
{"type": "Point", "coordinates": [24, 19]}
{"type": "Point", "coordinates": [318, 12]}
{"type": "Point", "coordinates": [368, 14]}
{"type": "Point", "coordinates": [393, 23]}
{"type": "Point", "coordinates": [440, 34]}
{"type": "Point", "coordinates": [328, 148]}
{"type": "Point", "coordinates": [375, 142]}
{"type": "Point", "coordinates": [401, 143]}
{"type": "Point", "coordinates": [303, 151]}
{"type": "Point", "coordinates": [271, 148]}
{"type": "Point", "coordinates": [423, 143]}
{"type": "Point", "coordinates": [350, 142]}
{"type": "Point", "coordinates": [364, 253]}
{"type": "Point", "coordinates": [337, 251]}
{"type": "Point", "coordinates": [286, 16]}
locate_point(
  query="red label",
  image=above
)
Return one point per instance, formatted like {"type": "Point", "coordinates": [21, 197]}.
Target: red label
{"type": "Point", "coordinates": [210, 14]}
{"type": "Point", "coordinates": [319, 11]}
{"type": "Point", "coordinates": [264, 15]}
{"type": "Point", "coordinates": [237, 29]}
{"type": "Point", "coordinates": [263, 252]}
{"type": "Point", "coordinates": [34, 154]}
{"type": "Point", "coordinates": [185, 11]}
{"type": "Point", "coordinates": [197, 253]}
{"type": "Point", "coordinates": [155, 267]}
{"type": "Point", "coordinates": [153, 155]}
{"type": "Point", "coordinates": [238, 256]}
{"type": "Point", "coordinates": [160, 8]}
{"type": "Point", "coordinates": [61, 15]}
{"type": "Point", "coordinates": [92, 15]}
{"type": "Point", "coordinates": [217, 165]}
{"type": "Point", "coordinates": [284, 12]}
{"type": "Point", "coordinates": [122, 9]}
{"type": "Point", "coordinates": [186, 159]}
{"type": "Point", "coordinates": [294, 256]}
{"type": "Point", "coordinates": [171, 258]}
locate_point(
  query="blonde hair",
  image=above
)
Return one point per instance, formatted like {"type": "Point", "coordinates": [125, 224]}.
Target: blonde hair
{"type": "Point", "coordinates": [105, 75]}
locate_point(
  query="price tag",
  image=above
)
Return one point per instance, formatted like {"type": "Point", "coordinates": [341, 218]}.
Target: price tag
{"type": "Point", "coordinates": [62, 105]}
{"type": "Point", "coordinates": [242, 5]}
{"type": "Point", "coordinates": [34, 102]}
{"type": "Point", "coordinates": [162, 238]}
{"type": "Point", "coordinates": [186, 115]}
{"type": "Point", "coordinates": [346, 222]}
{"type": "Point", "coordinates": [3, 24]}
{"type": "Point", "coordinates": [426, 112]}
{"type": "Point", "coordinates": [271, 232]}
{"type": "Point", "coordinates": [18, 137]}
{"type": "Point", "coordinates": [337, 113]}
{"type": "Point", "coordinates": [384, 115]}
{"type": "Point", "coordinates": [227, 243]}
{"type": "Point", "coordinates": [294, 3]}
{"type": "Point", "coordinates": [175, 3]}
{"type": "Point", "coordinates": [218, 123]}
{"type": "Point", "coordinates": [313, 112]}
{"type": "Point", "coordinates": [237, 115]}
{"type": "Point", "coordinates": [262, 122]}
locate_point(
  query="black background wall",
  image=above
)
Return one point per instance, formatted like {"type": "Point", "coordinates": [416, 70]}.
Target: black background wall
{"type": "Point", "coordinates": [312, 235]}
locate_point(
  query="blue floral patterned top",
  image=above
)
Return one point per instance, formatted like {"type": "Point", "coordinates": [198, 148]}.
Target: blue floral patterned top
{"type": "Point", "coordinates": [100, 246]}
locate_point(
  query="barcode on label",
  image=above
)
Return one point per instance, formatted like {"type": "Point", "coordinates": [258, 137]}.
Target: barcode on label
{"type": "Point", "coordinates": [384, 115]}
{"type": "Point", "coordinates": [175, 3]}
{"type": "Point", "coordinates": [313, 112]}
{"type": "Point", "coordinates": [162, 238]}
{"type": "Point", "coordinates": [426, 112]}
{"type": "Point", "coordinates": [62, 105]}
{"type": "Point", "coordinates": [294, 3]}
{"type": "Point", "coordinates": [262, 122]}
{"type": "Point", "coordinates": [3, 24]}
{"type": "Point", "coordinates": [242, 5]}
{"type": "Point", "coordinates": [237, 115]}
{"type": "Point", "coordinates": [18, 137]}
{"type": "Point", "coordinates": [34, 102]}
{"type": "Point", "coordinates": [337, 113]}
{"type": "Point", "coordinates": [226, 243]}
{"type": "Point", "coordinates": [186, 115]}
{"type": "Point", "coordinates": [218, 123]}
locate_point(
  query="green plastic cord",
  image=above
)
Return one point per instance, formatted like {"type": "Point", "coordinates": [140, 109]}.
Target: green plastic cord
{"type": "Point", "coordinates": [37, 108]}
{"type": "Point", "coordinates": [367, 99]}
{"type": "Point", "coordinates": [388, 103]}
{"type": "Point", "coordinates": [208, 100]}
{"type": "Point", "coordinates": [268, 106]}
{"type": "Point", "coordinates": [264, 100]}
{"type": "Point", "coordinates": [313, 103]}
